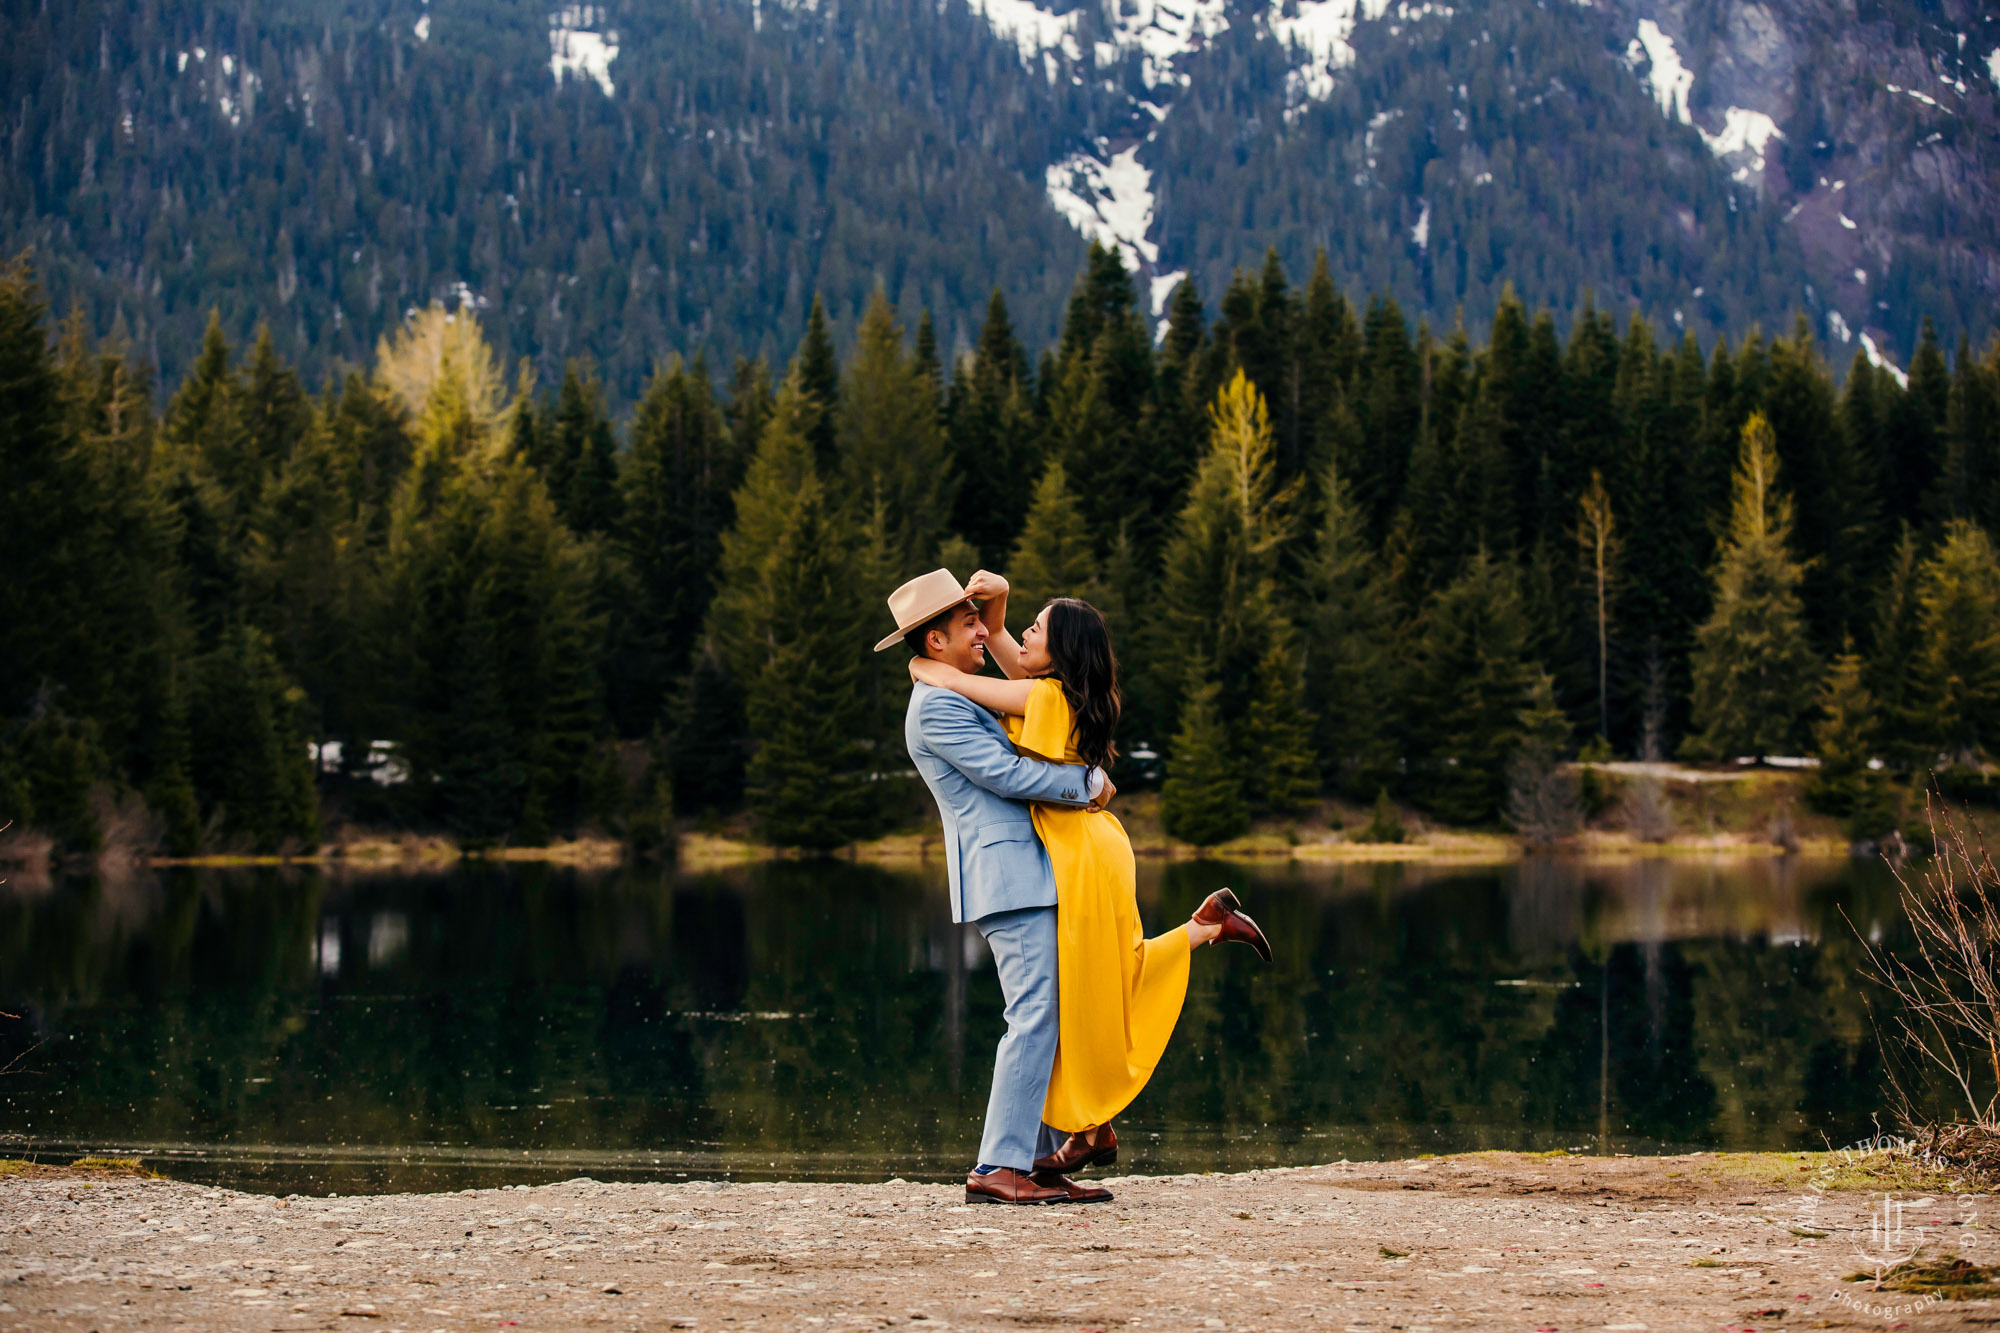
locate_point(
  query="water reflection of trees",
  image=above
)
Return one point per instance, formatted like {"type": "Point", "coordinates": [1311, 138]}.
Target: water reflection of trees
{"type": "Point", "coordinates": [829, 1013]}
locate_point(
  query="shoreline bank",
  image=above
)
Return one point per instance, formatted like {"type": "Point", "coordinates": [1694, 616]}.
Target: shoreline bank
{"type": "Point", "coordinates": [1485, 1240]}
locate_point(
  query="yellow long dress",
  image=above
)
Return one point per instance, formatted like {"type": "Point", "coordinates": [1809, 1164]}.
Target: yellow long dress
{"type": "Point", "coordinates": [1119, 994]}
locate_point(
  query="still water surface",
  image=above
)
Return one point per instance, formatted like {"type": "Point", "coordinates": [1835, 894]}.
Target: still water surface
{"type": "Point", "coordinates": [299, 1030]}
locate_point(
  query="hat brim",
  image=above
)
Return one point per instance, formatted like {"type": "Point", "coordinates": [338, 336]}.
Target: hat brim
{"type": "Point", "coordinates": [917, 621]}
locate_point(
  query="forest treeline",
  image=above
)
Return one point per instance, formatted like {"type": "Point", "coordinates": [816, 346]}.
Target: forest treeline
{"type": "Point", "coordinates": [1337, 555]}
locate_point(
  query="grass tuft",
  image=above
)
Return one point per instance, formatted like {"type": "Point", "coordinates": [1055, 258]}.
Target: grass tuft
{"type": "Point", "coordinates": [1951, 1277]}
{"type": "Point", "coordinates": [115, 1166]}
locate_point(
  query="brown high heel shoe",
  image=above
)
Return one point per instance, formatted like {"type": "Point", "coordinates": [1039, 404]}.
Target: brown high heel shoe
{"type": "Point", "coordinates": [1221, 909]}
{"type": "Point", "coordinates": [1078, 1152]}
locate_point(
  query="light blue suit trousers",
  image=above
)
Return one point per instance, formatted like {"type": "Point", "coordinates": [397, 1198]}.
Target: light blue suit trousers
{"type": "Point", "coordinates": [1001, 881]}
{"type": "Point", "coordinates": [1024, 954]}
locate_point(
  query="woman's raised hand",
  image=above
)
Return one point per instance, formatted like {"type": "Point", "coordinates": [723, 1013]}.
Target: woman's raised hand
{"type": "Point", "coordinates": [985, 586]}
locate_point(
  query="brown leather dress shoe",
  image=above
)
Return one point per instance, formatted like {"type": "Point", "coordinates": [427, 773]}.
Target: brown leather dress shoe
{"type": "Point", "coordinates": [1221, 909]}
{"type": "Point", "coordinates": [1078, 1152]}
{"type": "Point", "coordinates": [1006, 1185]}
{"type": "Point", "coordinates": [1077, 1193]}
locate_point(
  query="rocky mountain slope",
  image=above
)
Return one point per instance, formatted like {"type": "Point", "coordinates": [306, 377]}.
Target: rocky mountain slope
{"type": "Point", "coordinates": [633, 180]}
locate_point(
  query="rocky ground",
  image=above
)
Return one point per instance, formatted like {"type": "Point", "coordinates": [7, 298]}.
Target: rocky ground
{"type": "Point", "coordinates": [1489, 1241]}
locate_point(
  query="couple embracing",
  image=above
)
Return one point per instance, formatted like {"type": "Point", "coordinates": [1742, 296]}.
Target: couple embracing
{"type": "Point", "coordinates": [1039, 864]}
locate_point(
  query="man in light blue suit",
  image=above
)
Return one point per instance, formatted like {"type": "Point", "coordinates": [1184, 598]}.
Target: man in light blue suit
{"type": "Point", "coordinates": [1000, 876]}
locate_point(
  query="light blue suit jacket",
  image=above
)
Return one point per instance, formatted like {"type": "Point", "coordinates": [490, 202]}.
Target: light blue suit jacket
{"type": "Point", "coordinates": [996, 862]}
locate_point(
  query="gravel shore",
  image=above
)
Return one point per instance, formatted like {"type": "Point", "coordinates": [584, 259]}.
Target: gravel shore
{"type": "Point", "coordinates": [1486, 1241]}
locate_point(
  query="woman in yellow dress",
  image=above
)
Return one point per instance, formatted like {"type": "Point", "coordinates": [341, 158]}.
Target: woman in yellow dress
{"type": "Point", "coordinates": [1119, 994]}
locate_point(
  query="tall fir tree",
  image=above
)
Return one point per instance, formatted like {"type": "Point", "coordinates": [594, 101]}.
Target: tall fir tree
{"type": "Point", "coordinates": [780, 471]}
{"type": "Point", "coordinates": [1754, 666]}
{"type": "Point", "coordinates": [808, 776]}
{"type": "Point", "coordinates": [818, 371]}
{"type": "Point", "coordinates": [1221, 563]}
{"type": "Point", "coordinates": [1351, 663]}
{"type": "Point", "coordinates": [1958, 628]}
{"type": "Point", "coordinates": [1468, 678]}
{"type": "Point", "coordinates": [993, 437]}
{"type": "Point", "coordinates": [1280, 770]}
{"type": "Point", "coordinates": [676, 480]}
{"type": "Point", "coordinates": [250, 766]}
{"type": "Point", "coordinates": [1054, 556]}
{"type": "Point", "coordinates": [1202, 801]}
{"type": "Point", "coordinates": [891, 447]}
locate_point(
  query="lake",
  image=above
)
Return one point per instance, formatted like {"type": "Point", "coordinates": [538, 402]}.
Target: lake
{"type": "Point", "coordinates": [307, 1030]}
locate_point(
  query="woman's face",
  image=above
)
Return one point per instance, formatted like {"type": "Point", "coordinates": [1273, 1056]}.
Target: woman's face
{"type": "Point", "coordinates": [1035, 646]}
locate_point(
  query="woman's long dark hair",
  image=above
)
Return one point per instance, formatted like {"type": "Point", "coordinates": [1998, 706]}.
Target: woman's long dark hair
{"type": "Point", "coordinates": [1080, 657]}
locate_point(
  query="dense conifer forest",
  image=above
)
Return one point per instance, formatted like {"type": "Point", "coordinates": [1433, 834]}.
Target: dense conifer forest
{"type": "Point", "coordinates": [1337, 553]}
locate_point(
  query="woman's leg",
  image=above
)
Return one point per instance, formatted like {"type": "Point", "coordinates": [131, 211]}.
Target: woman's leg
{"type": "Point", "coordinates": [1200, 933]}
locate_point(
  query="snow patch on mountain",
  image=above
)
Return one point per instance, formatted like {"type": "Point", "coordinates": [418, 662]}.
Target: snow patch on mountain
{"type": "Point", "coordinates": [1880, 362]}
{"type": "Point", "coordinates": [1671, 80]}
{"type": "Point", "coordinates": [422, 28]}
{"type": "Point", "coordinates": [1745, 134]}
{"type": "Point", "coordinates": [1034, 30]}
{"type": "Point", "coordinates": [579, 48]}
{"type": "Point", "coordinates": [1110, 202]}
{"type": "Point", "coordinates": [1163, 33]}
{"type": "Point", "coordinates": [1993, 65]}
{"type": "Point", "coordinates": [1320, 29]}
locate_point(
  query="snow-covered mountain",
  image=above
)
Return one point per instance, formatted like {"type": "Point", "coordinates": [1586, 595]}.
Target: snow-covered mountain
{"type": "Point", "coordinates": [630, 178]}
{"type": "Point", "coordinates": [1892, 156]}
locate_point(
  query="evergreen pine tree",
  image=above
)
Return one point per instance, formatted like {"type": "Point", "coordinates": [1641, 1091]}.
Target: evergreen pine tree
{"type": "Point", "coordinates": [993, 437]}
{"type": "Point", "coordinates": [274, 414]}
{"type": "Point", "coordinates": [1097, 412]}
{"type": "Point", "coordinates": [1329, 348]}
{"type": "Point", "coordinates": [676, 480]}
{"type": "Point", "coordinates": [818, 371]}
{"type": "Point", "coordinates": [891, 447]}
{"type": "Point", "coordinates": [1969, 485]}
{"type": "Point", "coordinates": [250, 759]}
{"type": "Point", "coordinates": [1892, 663]}
{"type": "Point", "coordinates": [1835, 513]}
{"type": "Point", "coordinates": [1958, 627]}
{"type": "Point", "coordinates": [1202, 801]}
{"type": "Point", "coordinates": [1280, 770]}
{"type": "Point", "coordinates": [706, 749]}
{"type": "Point", "coordinates": [585, 487]}
{"type": "Point", "coordinates": [751, 397]}
{"type": "Point", "coordinates": [1913, 430]}
{"type": "Point", "coordinates": [1388, 405]}
{"type": "Point", "coordinates": [807, 778]}
{"type": "Point", "coordinates": [1467, 677]}
{"type": "Point", "coordinates": [779, 472]}
{"type": "Point", "coordinates": [1053, 557]}
{"type": "Point", "coordinates": [1350, 662]}
{"type": "Point", "coordinates": [1220, 564]}
{"type": "Point", "coordinates": [1844, 739]}
{"type": "Point", "coordinates": [1542, 800]}
{"type": "Point", "coordinates": [1753, 666]}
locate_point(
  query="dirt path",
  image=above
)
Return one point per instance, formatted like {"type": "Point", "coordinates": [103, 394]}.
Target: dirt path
{"type": "Point", "coordinates": [1490, 1241]}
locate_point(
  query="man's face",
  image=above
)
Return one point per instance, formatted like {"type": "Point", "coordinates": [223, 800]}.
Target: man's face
{"type": "Point", "coordinates": [963, 643]}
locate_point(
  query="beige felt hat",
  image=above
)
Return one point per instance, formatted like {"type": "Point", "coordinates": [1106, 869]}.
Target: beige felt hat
{"type": "Point", "coordinates": [922, 598]}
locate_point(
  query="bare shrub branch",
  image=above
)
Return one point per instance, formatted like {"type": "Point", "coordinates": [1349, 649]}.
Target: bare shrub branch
{"type": "Point", "coordinates": [1946, 992]}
